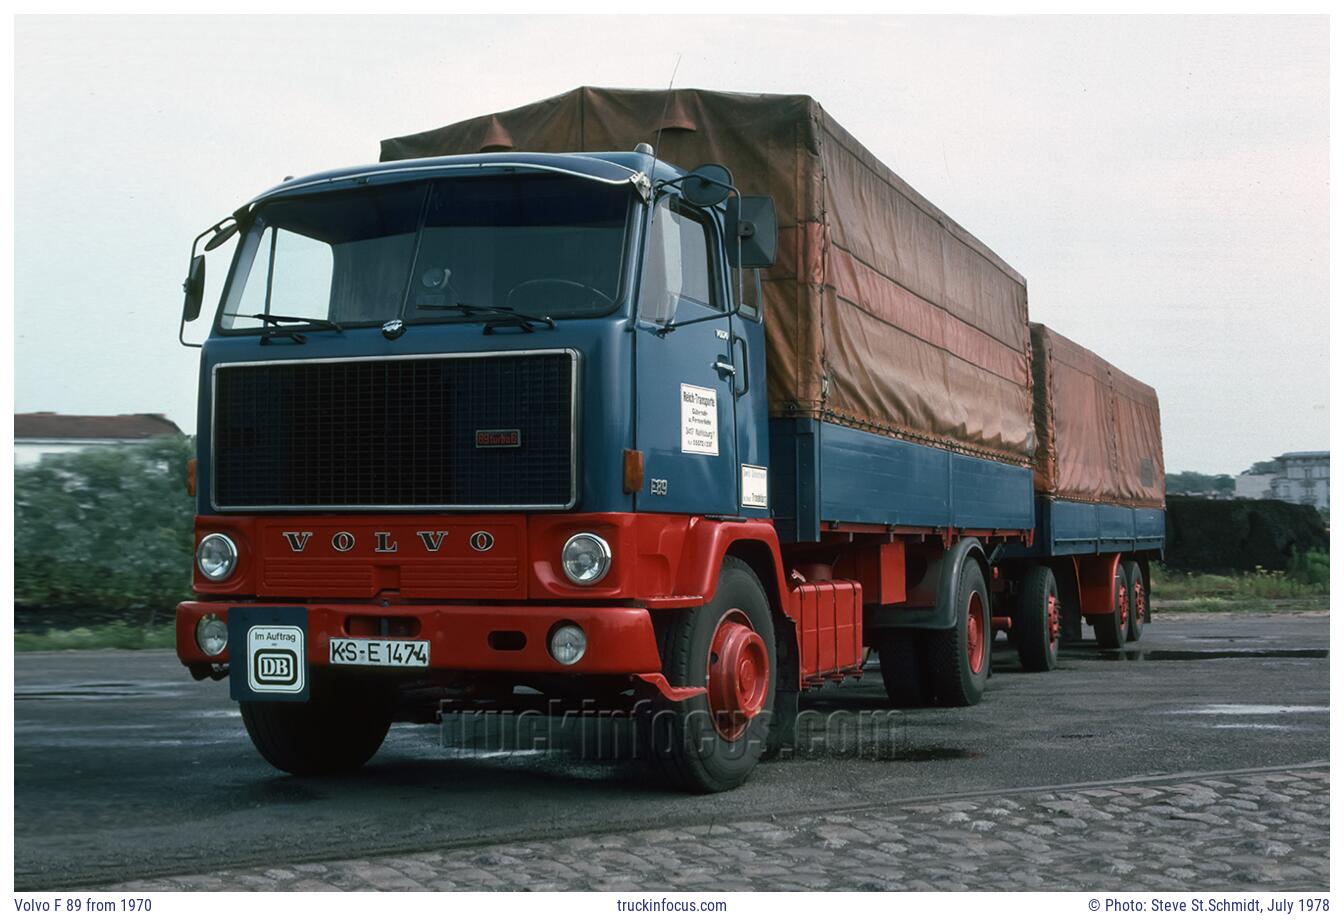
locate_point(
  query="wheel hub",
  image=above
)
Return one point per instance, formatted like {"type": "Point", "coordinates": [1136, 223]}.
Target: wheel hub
{"type": "Point", "coordinates": [738, 676]}
{"type": "Point", "coordinates": [975, 634]}
{"type": "Point", "coordinates": [1052, 617]}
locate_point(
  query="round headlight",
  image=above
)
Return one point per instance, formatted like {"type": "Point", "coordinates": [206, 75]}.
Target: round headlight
{"type": "Point", "coordinates": [586, 558]}
{"type": "Point", "coordinates": [568, 643]}
{"type": "Point", "coordinates": [212, 634]}
{"type": "Point", "coordinates": [216, 556]}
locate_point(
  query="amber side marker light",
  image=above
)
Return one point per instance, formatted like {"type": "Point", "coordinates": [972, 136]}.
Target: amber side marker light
{"type": "Point", "coordinates": [191, 477]}
{"type": "Point", "coordinates": [634, 471]}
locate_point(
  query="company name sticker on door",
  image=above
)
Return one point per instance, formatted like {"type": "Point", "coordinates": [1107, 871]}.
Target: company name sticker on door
{"type": "Point", "coordinates": [276, 660]}
{"type": "Point", "coordinates": [755, 486]}
{"type": "Point", "coordinates": [699, 420]}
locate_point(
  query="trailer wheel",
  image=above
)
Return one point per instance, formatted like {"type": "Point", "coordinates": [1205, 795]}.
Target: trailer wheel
{"type": "Point", "coordinates": [957, 659]}
{"type": "Point", "coordinates": [1039, 626]}
{"type": "Point", "coordinates": [1138, 600]}
{"type": "Point", "coordinates": [713, 741]}
{"type": "Point", "coordinates": [337, 730]}
{"type": "Point", "coordinates": [1113, 628]}
{"type": "Point", "coordinates": [898, 652]}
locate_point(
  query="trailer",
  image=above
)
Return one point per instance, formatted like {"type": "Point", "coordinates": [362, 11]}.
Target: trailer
{"type": "Point", "coordinates": [525, 404]}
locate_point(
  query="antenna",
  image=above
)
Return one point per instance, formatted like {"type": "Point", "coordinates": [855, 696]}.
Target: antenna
{"type": "Point", "coordinates": [658, 138]}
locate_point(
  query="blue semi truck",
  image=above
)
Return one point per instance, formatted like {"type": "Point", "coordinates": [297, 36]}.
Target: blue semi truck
{"type": "Point", "coordinates": [537, 401]}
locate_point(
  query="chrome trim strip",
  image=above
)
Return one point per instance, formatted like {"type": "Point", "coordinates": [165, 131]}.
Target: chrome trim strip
{"type": "Point", "coordinates": [574, 427]}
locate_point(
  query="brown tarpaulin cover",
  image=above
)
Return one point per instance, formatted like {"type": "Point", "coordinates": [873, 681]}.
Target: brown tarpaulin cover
{"type": "Point", "coordinates": [1098, 430]}
{"type": "Point", "coordinates": [881, 312]}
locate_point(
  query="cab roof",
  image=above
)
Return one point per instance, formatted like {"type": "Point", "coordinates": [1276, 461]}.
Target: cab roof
{"type": "Point", "coordinates": [612, 168]}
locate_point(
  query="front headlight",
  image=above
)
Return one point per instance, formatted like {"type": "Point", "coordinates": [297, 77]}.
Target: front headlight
{"type": "Point", "coordinates": [216, 556]}
{"type": "Point", "coordinates": [212, 634]}
{"type": "Point", "coordinates": [586, 558]}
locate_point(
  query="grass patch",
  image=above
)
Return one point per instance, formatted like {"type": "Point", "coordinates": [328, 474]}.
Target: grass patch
{"type": "Point", "coordinates": [110, 635]}
{"type": "Point", "coordinates": [1307, 577]}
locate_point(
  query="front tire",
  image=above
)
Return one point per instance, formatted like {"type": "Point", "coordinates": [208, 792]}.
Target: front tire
{"type": "Point", "coordinates": [712, 742]}
{"type": "Point", "coordinates": [337, 730]}
{"type": "Point", "coordinates": [957, 659]}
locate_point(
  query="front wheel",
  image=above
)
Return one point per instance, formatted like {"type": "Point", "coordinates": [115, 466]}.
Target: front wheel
{"type": "Point", "coordinates": [957, 659]}
{"type": "Point", "coordinates": [337, 730]}
{"type": "Point", "coordinates": [712, 742]}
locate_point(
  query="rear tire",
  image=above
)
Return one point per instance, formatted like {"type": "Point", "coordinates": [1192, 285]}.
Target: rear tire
{"type": "Point", "coordinates": [337, 730]}
{"type": "Point", "coordinates": [712, 742]}
{"type": "Point", "coordinates": [1039, 628]}
{"type": "Point", "coordinates": [957, 659]}
{"type": "Point", "coordinates": [1138, 599]}
{"type": "Point", "coordinates": [898, 652]}
{"type": "Point", "coordinates": [1112, 629]}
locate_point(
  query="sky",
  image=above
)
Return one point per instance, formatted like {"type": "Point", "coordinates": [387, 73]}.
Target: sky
{"type": "Point", "coordinates": [1162, 182]}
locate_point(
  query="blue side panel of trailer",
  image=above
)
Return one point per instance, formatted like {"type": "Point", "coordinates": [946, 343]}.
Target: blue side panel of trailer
{"type": "Point", "coordinates": [1071, 528]}
{"type": "Point", "coordinates": [820, 471]}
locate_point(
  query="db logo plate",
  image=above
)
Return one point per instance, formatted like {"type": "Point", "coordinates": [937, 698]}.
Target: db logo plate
{"type": "Point", "coordinates": [276, 660]}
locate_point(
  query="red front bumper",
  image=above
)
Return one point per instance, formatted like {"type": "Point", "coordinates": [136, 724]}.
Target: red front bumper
{"type": "Point", "coordinates": [461, 637]}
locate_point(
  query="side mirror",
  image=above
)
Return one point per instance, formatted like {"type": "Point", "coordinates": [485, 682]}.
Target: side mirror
{"type": "Point", "coordinates": [753, 231]}
{"type": "Point", "coordinates": [194, 287]}
{"type": "Point", "coordinates": [707, 185]}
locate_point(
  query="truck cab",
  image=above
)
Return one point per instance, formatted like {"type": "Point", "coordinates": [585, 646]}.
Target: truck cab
{"type": "Point", "coordinates": [473, 422]}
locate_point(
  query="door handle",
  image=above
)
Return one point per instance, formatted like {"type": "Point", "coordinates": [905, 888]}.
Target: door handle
{"type": "Point", "coordinates": [746, 368]}
{"type": "Point", "coordinates": [723, 367]}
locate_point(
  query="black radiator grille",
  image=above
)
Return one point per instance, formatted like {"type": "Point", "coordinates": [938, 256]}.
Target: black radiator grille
{"type": "Point", "coordinates": [348, 434]}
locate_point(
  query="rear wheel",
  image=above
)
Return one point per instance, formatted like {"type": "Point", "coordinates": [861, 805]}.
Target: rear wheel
{"type": "Point", "coordinates": [898, 652]}
{"type": "Point", "coordinates": [713, 741]}
{"type": "Point", "coordinates": [1037, 624]}
{"type": "Point", "coordinates": [1112, 629]}
{"type": "Point", "coordinates": [957, 659]}
{"type": "Point", "coordinates": [337, 730]}
{"type": "Point", "coordinates": [1138, 600]}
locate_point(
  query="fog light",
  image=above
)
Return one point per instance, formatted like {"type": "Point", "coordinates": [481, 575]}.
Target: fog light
{"type": "Point", "coordinates": [216, 556]}
{"type": "Point", "coordinates": [212, 634]}
{"type": "Point", "coordinates": [568, 643]}
{"type": "Point", "coordinates": [586, 558]}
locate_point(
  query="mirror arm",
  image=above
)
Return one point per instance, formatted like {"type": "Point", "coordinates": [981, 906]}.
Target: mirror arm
{"type": "Point", "coordinates": [182, 322]}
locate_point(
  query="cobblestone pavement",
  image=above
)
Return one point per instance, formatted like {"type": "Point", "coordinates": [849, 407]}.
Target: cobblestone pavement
{"type": "Point", "coordinates": [1235, 830]}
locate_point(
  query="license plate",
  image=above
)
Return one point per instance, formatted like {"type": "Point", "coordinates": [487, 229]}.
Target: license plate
{"type": "Point", "coordinates": [381, 653]}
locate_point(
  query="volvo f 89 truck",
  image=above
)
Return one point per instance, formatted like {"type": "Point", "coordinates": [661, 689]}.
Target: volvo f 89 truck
{"type": "Point", "coordinates": [677, 403]}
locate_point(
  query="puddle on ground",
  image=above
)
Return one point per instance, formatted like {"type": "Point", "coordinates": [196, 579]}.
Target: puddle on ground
{"type": "Point", "coordinates": [1257, 726]}
{"type": "Point", "coordinates": [1246, 709]}
{"type": "Point", "coordinates": [1160, 654]}
{"type": "Point", "coordinates": [97, 691]}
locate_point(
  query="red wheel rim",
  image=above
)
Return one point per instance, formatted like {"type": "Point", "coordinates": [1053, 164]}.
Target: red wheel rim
{"type": "Point", "coordinates": [975, 634]}
{"type": "Point", "coordinates": [1052, 618]}
{"type": "Point", "coordinates": [738, 675]}
{"type": "Point", "coordinates": [1139, 603]}
{"type": "Point", "coordinates": [1122, 604]}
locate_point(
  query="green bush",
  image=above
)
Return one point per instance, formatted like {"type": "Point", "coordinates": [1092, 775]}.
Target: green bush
{"type": "Point", "coordinates": [106, 528]}
{"type": "Point", "coordinates": [1307, 576]}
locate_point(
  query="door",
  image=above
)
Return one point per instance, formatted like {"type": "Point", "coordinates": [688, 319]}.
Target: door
{"type": "Point", "coordinates": [684, 376]}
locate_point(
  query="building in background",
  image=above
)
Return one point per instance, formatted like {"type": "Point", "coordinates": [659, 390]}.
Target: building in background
{"type": "Point", "coordinates": [38, 435]}
{"type": "Point", "coordinates": [1301, 477]}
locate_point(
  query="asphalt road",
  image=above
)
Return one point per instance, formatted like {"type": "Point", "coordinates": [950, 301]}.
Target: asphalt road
{"type": "Point", "coordinates": [126, 768]}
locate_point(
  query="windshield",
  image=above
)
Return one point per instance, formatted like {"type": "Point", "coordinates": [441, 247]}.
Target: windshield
{"type": "Point", "coordinates": [535, 243]}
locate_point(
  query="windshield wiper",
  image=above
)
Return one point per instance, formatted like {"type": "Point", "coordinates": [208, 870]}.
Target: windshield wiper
{"type": "Point", "coordinates": [506, 315]}
{"type": "Point", "coordinates": [277, 320]}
